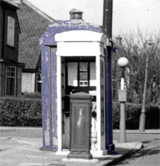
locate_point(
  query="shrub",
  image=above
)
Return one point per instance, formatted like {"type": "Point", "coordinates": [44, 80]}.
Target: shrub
{"type": "Point", "coordinates": [20, 112]}
{"type": "Point", "coordinates": [32, 95]}
{"type": "Point", "coordinates": [132, 112]}
{"type": "Point", "coordinates": [153, 117]}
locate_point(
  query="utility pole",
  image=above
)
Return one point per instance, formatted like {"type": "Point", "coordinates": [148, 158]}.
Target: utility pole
{"type": "Point", "coordinates": [143, 111]}
{"type": "Point", "coordinates": [107, 30]}
{"type": "Point", "coordinates": [107, 17]}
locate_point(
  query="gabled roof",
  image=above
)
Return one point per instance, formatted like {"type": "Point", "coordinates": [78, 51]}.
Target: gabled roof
{"type": "Point", "coordinates": [33, 23]}
{"type": "Point", "coordinates": [11, 3]}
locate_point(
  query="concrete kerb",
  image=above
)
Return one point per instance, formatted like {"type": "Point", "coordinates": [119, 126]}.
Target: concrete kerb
{"type": "Point", "coordinates": [131, 148]}
{"type": "Point", "coordinates": [21, 128]}
{"type": "Point", "coordinates": [151, 131]}
{"type": "Point", "coordinates": [128, 145]}
{"type": "Point", "coordinates": [122, 157]}
{"type": "Point", "coordinates": [147, 131]}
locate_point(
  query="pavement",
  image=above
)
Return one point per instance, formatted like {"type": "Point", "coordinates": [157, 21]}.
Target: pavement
{"type": "Point", "coordinates": [23, 151]}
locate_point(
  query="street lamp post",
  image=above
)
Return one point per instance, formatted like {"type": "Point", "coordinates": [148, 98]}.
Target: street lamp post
{"type": "Point", "coordinates": [122, 62]}
{"type": "Point", "coordinates": [148, 43]}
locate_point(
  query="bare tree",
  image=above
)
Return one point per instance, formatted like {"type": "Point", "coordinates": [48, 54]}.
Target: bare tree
{"type": "Point", "coordinates": [134, 48]}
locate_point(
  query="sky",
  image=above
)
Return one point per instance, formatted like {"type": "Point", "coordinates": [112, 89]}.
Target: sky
{"type": "Point", "coordinates": [128, 15]}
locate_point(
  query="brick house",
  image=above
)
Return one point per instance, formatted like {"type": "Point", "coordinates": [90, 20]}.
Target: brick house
{"type": "Point", "coordinates": [33, 24]}
{"type": "Point", "coordinates": [10, 67]}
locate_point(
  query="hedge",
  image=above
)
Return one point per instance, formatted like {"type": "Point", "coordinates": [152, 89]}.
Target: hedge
{"type": "Point", "coordinates": [20, 112]}
{"type": "Point", "coordinates": [28, 112]}
{"type": "Point", "coordinates": [132, 112]}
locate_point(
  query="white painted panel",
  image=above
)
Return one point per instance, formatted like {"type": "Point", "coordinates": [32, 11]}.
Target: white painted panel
{"type": "Point", "coordinates": [78, 48]}
{"type": "Point", "coordinates": [78, 35]}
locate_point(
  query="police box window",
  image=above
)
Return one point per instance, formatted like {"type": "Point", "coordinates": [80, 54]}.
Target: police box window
{"type": "Point", "coordinates": [10, 31]}
{"type": "Point", "coordinates": [10, 81]}
{"type": "Point", "coordinates": [83, 73]}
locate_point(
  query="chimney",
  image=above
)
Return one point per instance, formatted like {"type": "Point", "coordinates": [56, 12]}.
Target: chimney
{"type": "Point", "coordinates": [75, 14]}
{"type": "Point", "coordinates": [119, 40]}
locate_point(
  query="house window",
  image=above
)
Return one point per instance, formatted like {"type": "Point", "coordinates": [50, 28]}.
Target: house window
{"type": "Point", "coordinates": [10, 31]}
{"type": "Point", "coordinates": [10, 81]}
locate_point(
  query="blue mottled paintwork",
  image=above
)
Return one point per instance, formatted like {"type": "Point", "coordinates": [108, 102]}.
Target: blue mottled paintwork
{"type": "Point", "coordinates": [49, 113]}
{"type": "Point", "coordinates": [108, 103]}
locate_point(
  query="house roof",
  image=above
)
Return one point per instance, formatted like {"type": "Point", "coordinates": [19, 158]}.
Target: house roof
{"type": "Point", "coordinates": [11, 2]}
{"type": "Point", "coordinates": [33, 23]}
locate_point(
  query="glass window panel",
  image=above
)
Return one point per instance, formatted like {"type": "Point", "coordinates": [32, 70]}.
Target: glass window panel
{"type": "Point", "coordinates": [83, 66]}
{"type": "Point", "coordinates": [10, 31]}
{"type": "Point", "coordinates": [10, 80]}
{"type": "Point", "coordinates": [10, 86]}
{"type": "Point", "coordinates": [92, 74]}
{"type": "Point", "coordinates": [11, 71]}
{"type": "Point", "coordinates": [83, 75]}
{"type": "Point", "coordinates": [8, 72]}
{"type": "Point", "coordinates": [72, 74]}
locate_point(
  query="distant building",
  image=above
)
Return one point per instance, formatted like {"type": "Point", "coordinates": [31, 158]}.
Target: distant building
{"type": "Point", "coordinates": [33, 23]}
{"type": "Point", "coordinates": [10, 67]}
